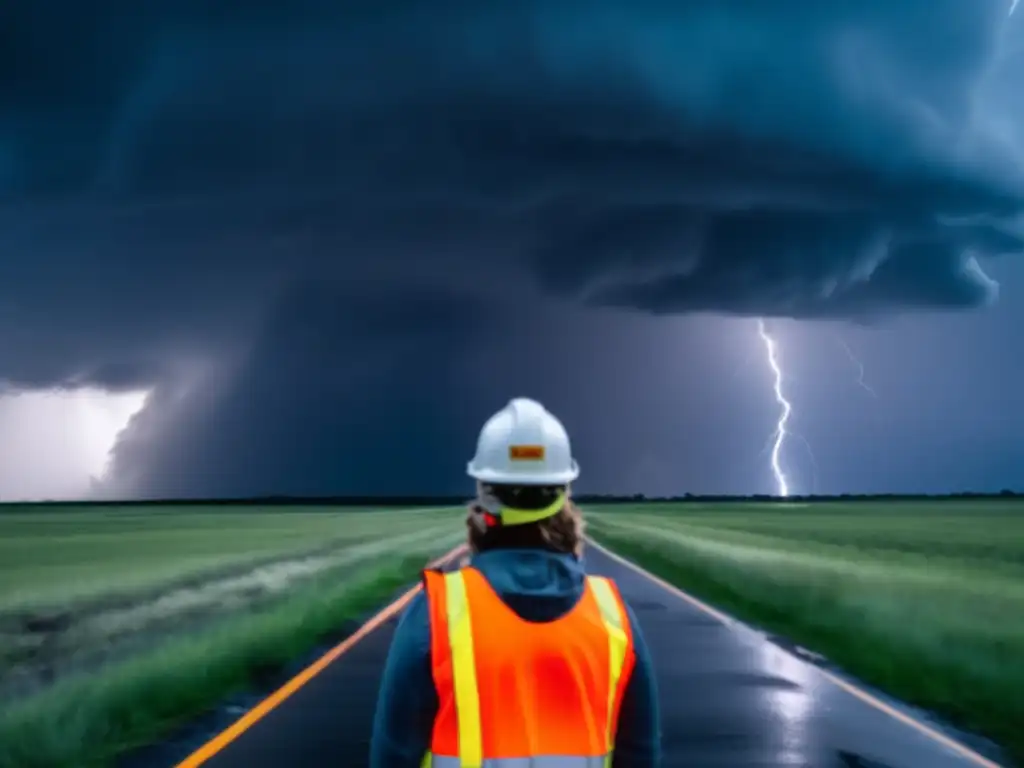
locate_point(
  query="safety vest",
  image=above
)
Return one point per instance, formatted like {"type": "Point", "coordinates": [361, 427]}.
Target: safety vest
{"type": "Point", "coordinates": [520, 694]}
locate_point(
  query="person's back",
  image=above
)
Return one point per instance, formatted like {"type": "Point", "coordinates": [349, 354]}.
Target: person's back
{"type": "Point", "coordinates": [520, 655]}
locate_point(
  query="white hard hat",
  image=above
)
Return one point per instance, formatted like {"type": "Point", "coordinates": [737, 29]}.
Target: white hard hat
{"type": "Point", "coordinates": [523, 444]}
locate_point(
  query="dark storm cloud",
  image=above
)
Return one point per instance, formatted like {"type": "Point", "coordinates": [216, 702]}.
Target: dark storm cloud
{"type": "Point", "coordinates": [340, 392]}
{"type": "Point", "coordinates": [267, 199]}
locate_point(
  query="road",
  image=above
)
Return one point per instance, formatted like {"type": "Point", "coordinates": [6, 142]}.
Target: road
{"type": "Point", "coordinates": [728, 697]}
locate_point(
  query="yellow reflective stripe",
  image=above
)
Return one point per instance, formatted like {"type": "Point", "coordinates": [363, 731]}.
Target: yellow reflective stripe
{"type": "Point", "coordinates": [614, 624]}
{"type": "Point", "coordinates": [467, 696]}
{"type": "Point", "coordinates": [428, 761]}
{"type": "Point", "coordinates": [541, 761]}
{"type": "Point", "coordinates": [511, 516]}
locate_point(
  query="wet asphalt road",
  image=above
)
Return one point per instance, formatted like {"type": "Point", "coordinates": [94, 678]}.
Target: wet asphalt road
{"type": "Point", "coordinates": [728, 697]}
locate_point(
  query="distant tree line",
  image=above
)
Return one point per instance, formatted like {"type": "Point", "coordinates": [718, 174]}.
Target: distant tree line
{"type": "Point", "coordinates": [447, 501]}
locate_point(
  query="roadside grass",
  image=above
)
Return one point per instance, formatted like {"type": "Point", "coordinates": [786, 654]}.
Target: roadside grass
{"type": "Point", "coordinates": [35, 651]}
{"type": "Point", "coordinates": [928, 607]}
{"type": "Point", "coordinates": [86, 721]}
{"type": "Point", "coordinates": [53, 558]}
{"type": "Point", "coordinates": [120, 624]}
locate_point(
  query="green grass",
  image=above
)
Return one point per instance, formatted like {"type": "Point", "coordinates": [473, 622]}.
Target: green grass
{"type": "Point", "coordinates": [89, 718]}
{"type": "Point", "coordinates": [56, 557]}
{"type": "Point", "coordinates": [924, 601]}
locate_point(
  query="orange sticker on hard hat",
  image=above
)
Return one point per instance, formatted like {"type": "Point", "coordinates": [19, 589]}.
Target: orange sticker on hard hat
{"type": "Point", "coordinates": [526, 452]}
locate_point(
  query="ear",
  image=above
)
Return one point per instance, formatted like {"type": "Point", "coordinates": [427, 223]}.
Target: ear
{"type": "Point", "coordinates": [475, 518]}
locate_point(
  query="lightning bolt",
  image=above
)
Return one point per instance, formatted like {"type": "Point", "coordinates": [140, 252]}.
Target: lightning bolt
{"type": "Point", "coordinates": [859, 365]}
{"type": "Point", "coordinates": [780, 435]}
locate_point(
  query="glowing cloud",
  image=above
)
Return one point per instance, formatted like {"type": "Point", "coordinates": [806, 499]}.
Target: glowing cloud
{"type": "Point", "coordinates": [54, 443]}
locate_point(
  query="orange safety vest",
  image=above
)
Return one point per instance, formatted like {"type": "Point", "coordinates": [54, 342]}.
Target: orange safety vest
{"type": "Point", "coordinates": [520, 694]}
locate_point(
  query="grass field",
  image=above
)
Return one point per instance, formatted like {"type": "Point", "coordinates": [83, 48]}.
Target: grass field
{"type": "Point", "coordinates": [923, 600]}
{"type": "Point", "coordinates": [55, 556]}
{"type": "Point", "coordinates": [117, 624]}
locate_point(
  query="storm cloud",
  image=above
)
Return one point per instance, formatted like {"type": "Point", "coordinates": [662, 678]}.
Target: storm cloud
{"type": "Point", "coordinates": [269, 217]}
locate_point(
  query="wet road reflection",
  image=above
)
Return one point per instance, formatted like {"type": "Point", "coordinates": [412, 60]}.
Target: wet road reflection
{"type": "Point", "coordinates": [731, 698]}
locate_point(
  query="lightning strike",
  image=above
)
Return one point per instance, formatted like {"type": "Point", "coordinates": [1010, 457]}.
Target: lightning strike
{"type": "Point", "coordinates": [780, 435]}
{"type": "Point", "coordinates": [859, 365]}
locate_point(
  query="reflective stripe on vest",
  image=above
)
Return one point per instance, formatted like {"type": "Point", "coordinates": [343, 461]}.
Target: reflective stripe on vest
{"type": "Point", "coordinates": [548, 761]}
{"type": "Point", "coordinates": [607, 655]}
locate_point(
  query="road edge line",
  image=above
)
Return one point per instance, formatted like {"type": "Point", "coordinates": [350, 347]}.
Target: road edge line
{"type": "Point", "coordinates": [268, 704]}
{"type": "Point", "coordinates": [947, 741]}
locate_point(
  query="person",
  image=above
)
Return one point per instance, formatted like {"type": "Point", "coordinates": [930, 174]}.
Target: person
{"type": "Point", "coordinates": [519, 658]}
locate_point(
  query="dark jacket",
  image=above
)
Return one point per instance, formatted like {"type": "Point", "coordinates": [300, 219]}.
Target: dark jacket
{"type": "Point", "coordinates": [539, 586]}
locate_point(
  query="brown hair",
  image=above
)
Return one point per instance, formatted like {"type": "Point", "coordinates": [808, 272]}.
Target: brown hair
{"type": "Point", "coordinates": [562, 532]}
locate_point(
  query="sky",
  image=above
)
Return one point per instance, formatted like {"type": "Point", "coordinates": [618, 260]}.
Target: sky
{"type": "Point", "coordinates": [309, 247]}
